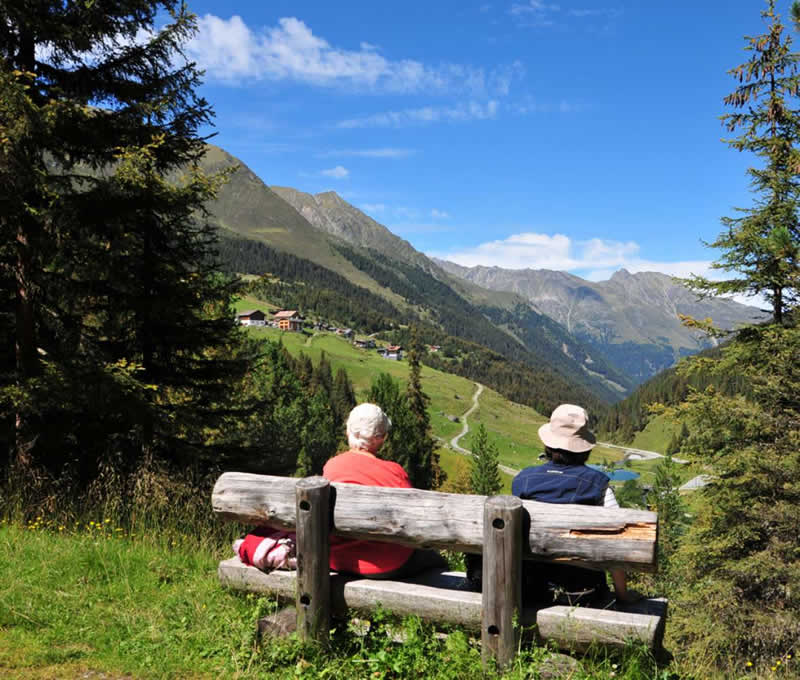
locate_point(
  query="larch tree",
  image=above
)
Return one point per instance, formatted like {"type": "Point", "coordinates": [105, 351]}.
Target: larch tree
{"type": "Point", "coordinates": [761, 245]}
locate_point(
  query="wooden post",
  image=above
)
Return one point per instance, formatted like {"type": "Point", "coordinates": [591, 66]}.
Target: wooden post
{"type": "Point", "coordinates": [312, 496]}
{"type": "Point", "coordinates": [502, 578]}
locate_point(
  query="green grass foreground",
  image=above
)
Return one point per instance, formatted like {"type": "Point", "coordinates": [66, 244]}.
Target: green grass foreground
{"type": "Point", "coordinates": [93, 599]}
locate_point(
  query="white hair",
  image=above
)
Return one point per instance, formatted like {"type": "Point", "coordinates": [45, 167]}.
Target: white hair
{"type": "Point", "coordinates": [367, 427]}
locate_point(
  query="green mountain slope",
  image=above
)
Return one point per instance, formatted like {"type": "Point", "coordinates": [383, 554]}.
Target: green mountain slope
{"type": "Point", "coordinates": [411, 283]}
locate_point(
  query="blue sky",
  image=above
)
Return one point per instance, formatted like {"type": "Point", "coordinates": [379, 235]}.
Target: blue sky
{"type": "Point", "coordinates": [580, 135]}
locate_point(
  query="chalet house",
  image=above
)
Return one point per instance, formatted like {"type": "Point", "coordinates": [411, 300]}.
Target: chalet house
{"type": "Point", "coordinates": [252, 317]}
{"type": "Point", "coordinates": [289, 320]}
{"type": "Point", "coordinates": [394, 352]}
{"type": "Point", "coordinates": [435, 348]}
{"type": "Point", "coordinates": [369, 343]}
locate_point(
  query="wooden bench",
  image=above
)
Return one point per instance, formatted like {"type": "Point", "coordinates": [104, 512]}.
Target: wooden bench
{"type": "Point", "coordinates": [503, 528]}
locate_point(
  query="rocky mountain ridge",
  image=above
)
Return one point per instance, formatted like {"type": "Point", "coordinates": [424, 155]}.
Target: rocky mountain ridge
{"type": "Point", "coordinates": [632, 318]}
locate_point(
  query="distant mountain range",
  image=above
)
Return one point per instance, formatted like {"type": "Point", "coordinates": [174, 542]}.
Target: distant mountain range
{"type": "Point", "coordinates": [631, 318]}
{"type": "Point", "coordinates": [602, 338]}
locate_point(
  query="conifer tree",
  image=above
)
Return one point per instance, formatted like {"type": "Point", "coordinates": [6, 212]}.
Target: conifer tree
{"type": "Point", "coordinates": [761, 245]}
{"type": "Point", "coordinates": [666, 501]}
{"type": "Point", "coordinates": [385, 392]}
{"type": "Point", "coordinates": [424, 468]}
{"type": "Point", "coordinates": [484, 474]}
{"type": "Point", "coordinates": [343, 398]}
{"type": "Point", "coordinates": [124, 339]}
{"type": "Point", "coordinates": [738, 564]}
{"type": "Point", "coordinates": [319, 436]}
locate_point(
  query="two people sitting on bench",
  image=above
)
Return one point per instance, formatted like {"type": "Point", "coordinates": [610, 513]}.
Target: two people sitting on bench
{"type": "Point", "coordinates": [367, 429]}
{"type": "Point", "coordinates": [564, 478]}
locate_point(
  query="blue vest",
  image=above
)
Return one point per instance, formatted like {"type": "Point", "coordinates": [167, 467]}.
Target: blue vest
{"type": "Point", "coordinates": [555, 483]}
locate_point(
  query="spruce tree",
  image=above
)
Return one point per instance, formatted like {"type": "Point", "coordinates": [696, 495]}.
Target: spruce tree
{"type": "Point", "coordinates": [385, 392]}
{"type": "Point", "coordinates": [123, 337]}
{"type": "Point", "coordinates": [761, 245]}
{"type": "Point", "coordinates": [484, 474]}
{"type": "Point", "coordinates": [424, 469]}
{"type": "Point", "coordinates": [343, 398]}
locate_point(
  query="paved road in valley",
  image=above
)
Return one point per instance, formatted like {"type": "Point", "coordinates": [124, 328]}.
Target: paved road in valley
{"type": "Point", "coordinates": [644, 454]}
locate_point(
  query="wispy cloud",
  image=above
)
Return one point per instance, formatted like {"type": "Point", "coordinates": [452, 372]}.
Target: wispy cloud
{"type": "Point", "coordinates": [440, 214]}
{"type": "Point", "coordinates": [542, 13]}
{"type": "Point", "coordinates": [422, 116]}
{"type": "Point", "coordinates": [338, 172]}
{"type": "Point", "coordinates": [232, 52]}
{"type": "Point", "coordinates": [373, 207]}
{"type": "Point", "coordinates": [386, 152]}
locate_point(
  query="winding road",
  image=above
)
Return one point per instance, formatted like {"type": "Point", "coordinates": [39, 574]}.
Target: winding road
{"type": "Point", "coordinates": [465, 429]}
{"type": "Point", "coordinates": [641, 453]}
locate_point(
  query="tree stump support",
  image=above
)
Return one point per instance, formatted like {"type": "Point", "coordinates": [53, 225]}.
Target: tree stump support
{"type": "Point", "coordinates": [312, 498]}
{"type": "Point", "coordinates": [502, 579]}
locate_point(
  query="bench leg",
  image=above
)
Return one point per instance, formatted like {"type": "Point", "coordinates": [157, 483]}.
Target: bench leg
{"type": "Point", "coordinates": [312, 497]}
{"type": "Point", "coordinates": [502, 582]}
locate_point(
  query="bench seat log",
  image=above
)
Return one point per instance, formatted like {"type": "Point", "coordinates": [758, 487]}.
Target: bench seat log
{"type": "Point", "coordinates": [440, 596]}
{"type": "Point", "coordinates": [603, 537]}
{"type": "Point", "coordinates": [579, 628]}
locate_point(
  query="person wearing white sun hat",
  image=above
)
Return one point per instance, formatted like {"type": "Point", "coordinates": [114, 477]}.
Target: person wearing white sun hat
{"type": "Point", "coordinates": [565, 478]}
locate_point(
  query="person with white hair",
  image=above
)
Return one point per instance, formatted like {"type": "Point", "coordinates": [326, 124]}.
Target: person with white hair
{"type": "Point", "coordinates": [367, 429]}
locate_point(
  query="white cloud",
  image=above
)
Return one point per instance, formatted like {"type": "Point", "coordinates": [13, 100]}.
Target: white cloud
{"type": "Point", "coordinates": [373, 207]}
{"type": "Point", "coordinates": [440, 214]}
{"type": "Point", "coordinates": [387, 152]}
{"type": "Point", "coordinates": [426, 115]}
{"type": "Point", "coordinates": [338, 172]}
{"type": "Point", "coordinates": [231, 51]}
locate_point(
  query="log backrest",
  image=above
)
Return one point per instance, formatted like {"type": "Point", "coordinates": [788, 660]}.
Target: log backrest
{"type": "Point", "coordinates": [602, 537]}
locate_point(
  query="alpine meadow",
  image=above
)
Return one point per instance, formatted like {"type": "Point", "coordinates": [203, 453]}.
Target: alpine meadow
{"type": "Point", "coordinates": [484, 216]}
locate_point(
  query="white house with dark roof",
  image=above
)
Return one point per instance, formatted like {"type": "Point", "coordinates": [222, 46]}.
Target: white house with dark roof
{"type": "Point", "coordinates": [252, 317]}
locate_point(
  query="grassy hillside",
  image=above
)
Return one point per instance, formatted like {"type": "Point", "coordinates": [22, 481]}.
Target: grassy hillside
{"type": "Point", "coordinates": [89, 603]}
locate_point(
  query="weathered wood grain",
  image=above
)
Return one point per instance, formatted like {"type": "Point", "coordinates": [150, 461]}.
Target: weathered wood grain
{"type": "Point", "coordinates": [604, 537]}
{"type": "Point", "coordinates": [435, 596]}
{"type": "Point", "coordinates": [578, 628]}
{"type": "Point", "coordinates": [312, 498]}
{"type": "Point", "coordinates": [502, 579]}
{"type": "Point", "coordinates": [431, 597]}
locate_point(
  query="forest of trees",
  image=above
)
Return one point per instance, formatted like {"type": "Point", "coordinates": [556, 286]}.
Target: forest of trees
{"type": "Point", "coordinates": [295, 283]}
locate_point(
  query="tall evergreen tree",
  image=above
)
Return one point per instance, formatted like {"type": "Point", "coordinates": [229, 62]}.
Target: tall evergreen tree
{"type": "Point", "coordinates": [738, 565]}
{"type": "Point", "coordinates": [343, 398]}
{"type": "Point", "coordinates": [385, 392]}
{"type": "Point", "coordinates": [666, 501]}
{"type": "Point", "coordinates": [123, 338]}
{"type": "Point", "coordinates": [424, 469]}
{"type": "Point", "coordinates": [762, 245]}
{"type": "Point", "coordinates": [484, 474]}
{"type": "Point", "coordinates": [319, 436]}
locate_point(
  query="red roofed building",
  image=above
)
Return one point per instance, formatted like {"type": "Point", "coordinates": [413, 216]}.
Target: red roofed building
{"type": "Point", "coordinates": [289, 320]}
